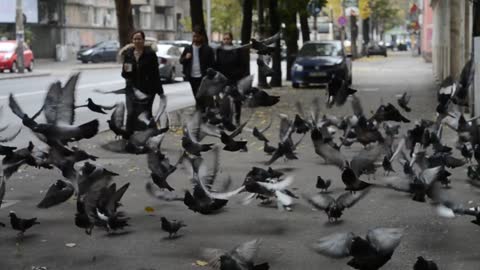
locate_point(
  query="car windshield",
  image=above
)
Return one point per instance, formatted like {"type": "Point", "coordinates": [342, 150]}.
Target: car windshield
{"type": "Point", "coordinates": [7, 47]}
{"type": "Point", "coordinates": [162, 49]}
{"type": "Point", "coordinates": [320, 49]}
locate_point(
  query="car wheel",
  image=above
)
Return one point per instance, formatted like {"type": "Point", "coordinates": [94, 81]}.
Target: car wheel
{"type": "Point", "coordinates": [30, 68]}
{"type": "Point", "coordinates": [84, 62]}
{"type": "Point", "coordinates": [96, 59]}
{"type": "Point", "coordinates": [14, 68]}
{"type": "Point", "coordinates": [295, 85]}
{"type": "Point", "coordinates": [1, 70]}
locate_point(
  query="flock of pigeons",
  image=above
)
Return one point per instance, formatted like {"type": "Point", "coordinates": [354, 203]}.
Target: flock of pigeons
{"type": "Point", "coordinates": [421, 152]}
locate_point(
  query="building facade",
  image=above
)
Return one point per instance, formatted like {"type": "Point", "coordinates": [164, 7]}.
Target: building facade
{"type": "Point", "coordinates": [451, 36]}
{"type": "Point", "coordinates": [71, 24]}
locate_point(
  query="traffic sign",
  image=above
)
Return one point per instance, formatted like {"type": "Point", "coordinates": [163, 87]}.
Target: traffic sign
{"type": "Point", "coordinates": [342, 21]}
{"type": "Point", "coordinates": [314, 8]}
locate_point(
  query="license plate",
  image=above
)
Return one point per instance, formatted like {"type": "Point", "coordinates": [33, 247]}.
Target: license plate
{"type": "Point", "coordinates": [318, 74]}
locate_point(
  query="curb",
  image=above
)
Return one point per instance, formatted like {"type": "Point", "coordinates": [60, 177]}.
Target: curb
{"type": "Point", "coordinates": [30, 75]}
{"type": "Point", "coordinates": [97, 67]}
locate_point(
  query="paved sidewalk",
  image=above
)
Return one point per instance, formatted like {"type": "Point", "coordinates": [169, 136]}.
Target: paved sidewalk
{"type": "Point", "coordinates": [286, 235]}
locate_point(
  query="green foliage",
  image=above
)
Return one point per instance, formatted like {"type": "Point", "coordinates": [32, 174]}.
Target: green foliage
{"type": "Point", "coordinates": [387, 13]}
{"type": "Point", "coordinates": [226, 16]}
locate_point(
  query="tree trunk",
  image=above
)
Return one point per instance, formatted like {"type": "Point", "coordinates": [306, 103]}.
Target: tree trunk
{"type": "Point", "coordinates": [354, 35]}
{"type": "Point", "coordinates": [291, 40]}
{"type": "Point", "coordinates": [247, 32]}
{"type": "Point", "coordinates": [276, 80]}
{"type": "Point", "coordinates": [304, 26]}
{"type": "Point", "coordinates": [476, 19]}
{"type": "Point", "coordinates": [262, 80]}
{"type": "Point", "coordinates": [124, 21]}
{"type": "Point", "coordinates": [196, 13]}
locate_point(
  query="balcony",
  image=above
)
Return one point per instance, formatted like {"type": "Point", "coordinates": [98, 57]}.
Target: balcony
{"type": "Point", "coordinates": [164, 3]}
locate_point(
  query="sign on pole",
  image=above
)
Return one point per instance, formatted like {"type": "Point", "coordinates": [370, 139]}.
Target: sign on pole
{"type": "Point", "coordinates": [342, 20]}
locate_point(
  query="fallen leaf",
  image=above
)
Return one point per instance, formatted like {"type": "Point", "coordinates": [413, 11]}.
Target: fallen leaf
{"type": "Point", "coordinates": [149, 209]}
{"type": "Point", "coordinates": [201, 263]}
{"type": "Point", "coordinates": [70, 245]}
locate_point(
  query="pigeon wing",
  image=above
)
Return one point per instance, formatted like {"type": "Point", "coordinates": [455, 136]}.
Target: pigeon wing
{"type": "Point", "coordinates": [320, 201]}
{"type": "Point", "coordinates": [247, 251]}
{"type": "Point", "coordinates": [336, 245]}
{"type": "Point", "coordinates": [385, 240]}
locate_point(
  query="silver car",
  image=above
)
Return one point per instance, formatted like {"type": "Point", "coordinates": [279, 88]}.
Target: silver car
{"type": "Point", "coordinates": [169, 62]}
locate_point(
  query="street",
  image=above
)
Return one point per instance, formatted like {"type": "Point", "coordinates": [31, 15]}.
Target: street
{"type": "Point", "coordinates": [286, 236]}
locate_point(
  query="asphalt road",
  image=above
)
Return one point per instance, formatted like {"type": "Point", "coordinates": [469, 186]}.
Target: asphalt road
{"type": "Point", "coordinates": [286, 235]}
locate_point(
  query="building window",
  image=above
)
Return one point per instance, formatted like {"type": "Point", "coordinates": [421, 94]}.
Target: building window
{"type": "Point", "coordinates": [97, 16]}
{"type": "Point", "coordinates": [170, 22]}
{"type": "Point", "coordinates": [84, 15]}
{"type": "Point", "coordinates": [145, 20]}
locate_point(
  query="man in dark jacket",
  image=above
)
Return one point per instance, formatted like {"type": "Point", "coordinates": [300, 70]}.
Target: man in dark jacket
{"type": "Point", "coordinates": [140, 70]}
{"type": "Point", "coordinates": [196, 59]}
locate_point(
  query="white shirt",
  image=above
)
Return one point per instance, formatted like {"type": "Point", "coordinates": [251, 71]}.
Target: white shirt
{"type": "Point", "coordinates": [196, 71]}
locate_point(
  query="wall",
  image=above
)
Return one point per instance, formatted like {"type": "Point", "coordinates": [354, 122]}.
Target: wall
{"type": "Point", "coordinates": [427, 31]}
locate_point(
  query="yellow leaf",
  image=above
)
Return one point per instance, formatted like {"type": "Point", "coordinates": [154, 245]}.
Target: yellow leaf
{"type": "Point", "coordinates": [149, 209]}
{"type": "Point", "coordinates": [201, 263]}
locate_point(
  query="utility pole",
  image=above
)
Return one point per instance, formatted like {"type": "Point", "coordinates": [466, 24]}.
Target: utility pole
{"type": "Point", "coordinates": [19, 35]}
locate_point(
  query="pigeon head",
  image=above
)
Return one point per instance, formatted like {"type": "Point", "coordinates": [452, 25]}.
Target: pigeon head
{"type": "Point", "coordinates": [211, 73]}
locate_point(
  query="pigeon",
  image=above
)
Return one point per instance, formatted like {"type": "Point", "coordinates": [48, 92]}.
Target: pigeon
{"type": "Point", "coordinates": [268, 148]}
{"type": "Point", "coordinates": [370, 253]}
{"type": "Point", "coordinates": [171, 227]}
{"type": "Point", "coordinates": [389, 113]}
{"type": "Point", "coordinates": [419, 186]}
{"type": "Point", "coordinates": [272, 190]}
{"type": "Point", "coordinates": [323, 185]}
{"type": "Point", "coordinates": [403, 101]}
{"type": "Point", "coordinates": [264, 68]}
{"type": "Point", "coordinates": [232, 145]}
{"type": "Point", "coordinates": [334, 207]}
{"type": "Point", "coordinates": [58, 193]}
{"type": "Point", "coordinates": [193, 147]}
{"type": "Point", "coordinates": [106, 205]}
{"type": "Point", "coordinates": [262, 46]}
{"type": "Point", "coordinates": [338, 91]}
{"type": "Point", "coordinates": [351, 181]}
{"type": "Point", "coordinates": [212, 84]}
{"type": "Point", "coordinates": [240, 258]}
{"type": "Point", "coordinates": [260, 98]}
{"type": "Point", "coordinates": [117, 119]}
{"type": "Point", "coordinates": [20, 224]}
{"type": "Point", "coordinates": [467, 152]}
{"type": "Point", "coordinates": [95, 107]}
{"type": "Point", "coordinates": [424, 264]}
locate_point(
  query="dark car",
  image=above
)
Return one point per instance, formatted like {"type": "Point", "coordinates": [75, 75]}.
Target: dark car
{"type": "Point", "coordinates": [377, 49]}
{"type": "Point", "coordinates": [318, 61]}
{"type": "Point", "coordinates": [105, 51]}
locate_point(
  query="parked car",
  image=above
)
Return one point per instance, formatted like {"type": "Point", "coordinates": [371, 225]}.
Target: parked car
{"type": "Point", "coordinates": [402, 46]}
{"type": "Point", "coordinates": [105, 51]}
{"type": "Point", "coordinates": [169, 62]}
{"type": "Point", "coordinates": [8, 56]}
{"type": "Point", "coordinates": [317, 61]}
{"type": "Point", "coordinates": [182, 44]}
{"type": "Point", "coordinates": [377, 49]}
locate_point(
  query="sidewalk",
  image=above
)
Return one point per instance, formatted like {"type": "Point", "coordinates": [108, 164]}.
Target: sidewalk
{"type": "Point", "coordinates": [47, 67]}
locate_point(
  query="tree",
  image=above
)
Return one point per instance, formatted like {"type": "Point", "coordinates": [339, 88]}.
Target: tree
{"type": "Point", "coordinates": [124, 20]}
{"type": "Point", "coordinates": [196, 13]}
{"type": "Point", "coordinates": [276, 80]}
{"type": "Point", "coordinates": [247, 31]}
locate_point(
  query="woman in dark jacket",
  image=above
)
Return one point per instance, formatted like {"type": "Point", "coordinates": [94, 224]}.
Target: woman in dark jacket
{"type": "Point", "coordinates": [140, 70]}
{"type": "Point", "coordinates": [229, 63]}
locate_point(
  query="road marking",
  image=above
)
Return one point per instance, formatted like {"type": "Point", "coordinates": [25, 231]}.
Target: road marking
{"type": "Point", "coordinates": [83, 86]}
{"type": "Point", "coordinates": [7, 203]}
